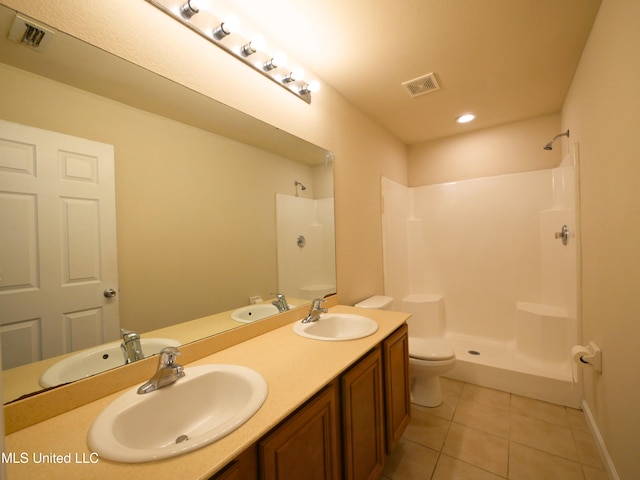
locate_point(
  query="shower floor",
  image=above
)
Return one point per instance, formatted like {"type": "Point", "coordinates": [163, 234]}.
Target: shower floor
{"type": "Point", "coordinates": [498, 365]}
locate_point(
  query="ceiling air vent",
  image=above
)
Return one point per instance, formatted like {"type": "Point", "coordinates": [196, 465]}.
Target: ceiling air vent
{"type": "Point", "coordinates": [421, 85]}
{"type": "Point", "coordinates": [28, 33]}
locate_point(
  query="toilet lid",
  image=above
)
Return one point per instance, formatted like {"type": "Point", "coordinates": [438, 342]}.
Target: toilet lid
{"type": "Point", "coordinates": [430, 349]}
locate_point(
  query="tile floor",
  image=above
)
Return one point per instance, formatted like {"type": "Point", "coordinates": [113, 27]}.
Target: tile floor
{"type": "Point", "coordinates": [484, 434]}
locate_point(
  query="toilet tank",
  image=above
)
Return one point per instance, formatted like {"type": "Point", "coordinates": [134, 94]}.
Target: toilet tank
{"type": "Point", "coordinates": [378, 302]}
{"type": "Point", "coordinates": [427, 315]}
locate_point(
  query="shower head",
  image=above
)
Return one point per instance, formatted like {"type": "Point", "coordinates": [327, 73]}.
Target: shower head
{"type": "Point", "coordinates": [302, 187]}
{"type": "Point", "coordinates": [549, 146]}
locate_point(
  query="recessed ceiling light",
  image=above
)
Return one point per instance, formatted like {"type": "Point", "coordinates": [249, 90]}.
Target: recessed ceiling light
{"type": "Point", "coordinates": [466, 118]}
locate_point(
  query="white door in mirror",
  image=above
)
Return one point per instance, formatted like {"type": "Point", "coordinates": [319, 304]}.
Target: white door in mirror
{"type": "Point", "coordinates": [58, 246]}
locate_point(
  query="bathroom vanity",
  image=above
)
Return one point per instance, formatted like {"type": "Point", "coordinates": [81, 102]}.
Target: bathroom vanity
{"type": "Point", "coordinates": [334, 409]}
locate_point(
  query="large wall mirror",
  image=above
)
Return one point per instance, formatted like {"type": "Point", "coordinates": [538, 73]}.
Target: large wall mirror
{"type": "Point", "coordinates": [213, 207]}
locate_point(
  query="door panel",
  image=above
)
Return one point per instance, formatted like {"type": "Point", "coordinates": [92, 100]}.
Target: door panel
{"type": "Point", "coordinates": [57, 207]}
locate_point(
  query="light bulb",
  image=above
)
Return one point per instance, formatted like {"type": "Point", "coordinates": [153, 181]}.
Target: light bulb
{"type": "Point", "coordinates": [199, 4]}
{"type": "Point", "coordinates": [229, 25]}
{"type": "Point", "coordinates": [310, 87]}
{"type": "Point", "coordinates": [276, 61]}
{"type": "Point", "coordinates": [466, 118]}
{"type": "Point", "coordinates": [295, 75]}
{"type": "Point", "coordinates": [253, 46]}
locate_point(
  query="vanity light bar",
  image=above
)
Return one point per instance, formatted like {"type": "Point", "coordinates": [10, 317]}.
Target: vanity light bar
{"type": "Point", "coordinates": [223, 33]}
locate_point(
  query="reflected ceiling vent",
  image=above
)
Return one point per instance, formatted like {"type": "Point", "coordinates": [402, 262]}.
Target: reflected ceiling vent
{"type": "Point", "coordinates": [28, 33]}
{"type": "Point", "coordinates": [421, 85]}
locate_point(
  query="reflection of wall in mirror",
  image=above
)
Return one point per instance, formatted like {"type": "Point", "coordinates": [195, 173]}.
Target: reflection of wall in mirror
{"type": "Point", "coordinates": [185, 198]}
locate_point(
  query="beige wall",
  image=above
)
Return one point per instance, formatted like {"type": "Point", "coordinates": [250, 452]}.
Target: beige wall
{"type": "Point", "coordinates": [511, 148]}
{"type": "Point", "coordinates": [601, 110]}
{"type": "Point", "coordinates": [363, 151]}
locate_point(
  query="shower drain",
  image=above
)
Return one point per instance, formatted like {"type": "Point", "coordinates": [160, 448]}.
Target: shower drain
{"type": "Point", "coordinates": [473, 352]}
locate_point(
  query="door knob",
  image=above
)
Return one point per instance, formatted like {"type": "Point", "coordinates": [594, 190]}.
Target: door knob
{"type": "Point", "coordinates": [109, 293]}
{"type": "Point", "coordinates": [563, 234]}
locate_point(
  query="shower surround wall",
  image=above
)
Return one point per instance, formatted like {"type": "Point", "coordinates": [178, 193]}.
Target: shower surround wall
{"type": "Point", "coordinates": [306, 268]}
{"type": "Point", "coordinates": [488, 247]}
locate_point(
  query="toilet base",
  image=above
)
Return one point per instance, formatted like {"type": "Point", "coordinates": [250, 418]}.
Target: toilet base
{"type": "Point", "coordinates": [426, 392]}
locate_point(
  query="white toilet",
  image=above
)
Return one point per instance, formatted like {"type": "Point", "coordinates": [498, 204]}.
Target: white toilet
{"type": "Point", "coordinates": [377, 302]}
{"type": "Point", "coordinates": [429, 356]}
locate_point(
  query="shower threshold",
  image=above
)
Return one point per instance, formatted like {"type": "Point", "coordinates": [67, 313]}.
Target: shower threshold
{"type": "Point", "coordinates": [498, 365]}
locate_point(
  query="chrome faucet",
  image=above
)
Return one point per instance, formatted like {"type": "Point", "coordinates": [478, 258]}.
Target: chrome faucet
{"type": "Point", "coordinates": [315, 311]}
{"type": "Point", "coordinates": [131, 348]}
{"type": "Point", "coordinates": [168, 371]}
{"type": "Point", "coordinates": [280, 302]}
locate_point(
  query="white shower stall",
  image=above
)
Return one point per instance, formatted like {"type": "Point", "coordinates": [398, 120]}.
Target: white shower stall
{"type": "Point", "coordinates": [306, 246]}
{"type": "Point", "coordinates": [493, 251]}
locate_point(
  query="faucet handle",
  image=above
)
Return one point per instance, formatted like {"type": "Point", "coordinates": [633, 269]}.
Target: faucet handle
{"type": "Point", "coordinates": [168, 357]}
{"type": "Point", "coordinates": [316, 306]}
{"type": "Point", "coordinates": [128, 334]}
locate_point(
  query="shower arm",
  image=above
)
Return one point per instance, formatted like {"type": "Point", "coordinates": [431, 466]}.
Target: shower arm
{"type": "Point", "coordinates": [549, 146]}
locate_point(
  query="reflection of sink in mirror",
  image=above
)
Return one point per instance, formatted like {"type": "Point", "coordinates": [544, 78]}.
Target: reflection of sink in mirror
{"type": "Point", "coordinates": [208, 403]}
{"type": "Point", "coordinates": [96, 360]}
{"type": "Point", "coordinates": [251, 313]}
{"type": "Point", "coordinates": [336, 327]}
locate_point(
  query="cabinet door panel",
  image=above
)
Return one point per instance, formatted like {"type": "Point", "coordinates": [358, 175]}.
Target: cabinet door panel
{"type": "Point", "coordinates": [245, 467]}
{"type": "Point", "coordinates": [363, 427]}
{"type": "Point", "coordinates": [306, 446]}
{"type": "Point", "coordinates": [397, 396]}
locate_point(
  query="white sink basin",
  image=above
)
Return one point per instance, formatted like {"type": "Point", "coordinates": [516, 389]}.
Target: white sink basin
{"type": "Point", "coordinates": [336, 327]}
{"type": "Point", "coordinates": [251, 313]}
{"type": "Point", "coordinates": [208, 403]}
{"type": "Point", "coordinates": [96, 360]}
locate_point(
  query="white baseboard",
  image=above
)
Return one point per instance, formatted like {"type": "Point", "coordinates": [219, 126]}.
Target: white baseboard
{"type": "Point", "coordinates": [602, 448]}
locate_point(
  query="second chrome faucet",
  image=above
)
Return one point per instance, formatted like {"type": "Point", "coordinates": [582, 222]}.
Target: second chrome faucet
{"type": "Point", "coordinates": [315, 311]}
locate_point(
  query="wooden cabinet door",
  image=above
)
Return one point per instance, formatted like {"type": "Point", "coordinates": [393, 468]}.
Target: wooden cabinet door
{"type": "Point", "coordinates": [362, 419]}
{"type": "Point", "coordinates": [396, 375]}
{"type": "Point", "coordinates": [306, 445]}
{"type": "Point", "coordinates": [245, 467]}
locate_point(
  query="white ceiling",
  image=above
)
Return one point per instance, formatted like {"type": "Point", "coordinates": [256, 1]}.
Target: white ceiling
{"type": "Point", "coordinates": [504, 60]}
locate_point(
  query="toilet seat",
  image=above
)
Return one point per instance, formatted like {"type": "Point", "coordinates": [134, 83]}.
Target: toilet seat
{"type": "Point", "coordinates": [430, 349]}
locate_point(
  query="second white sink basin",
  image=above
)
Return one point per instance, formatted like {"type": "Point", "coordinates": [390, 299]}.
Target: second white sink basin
{"type": "Point", "coordinates": [208, 403]}
{"type": "Point", "coordinates": [97, 359]}
{"type": "Point", "coordinates": [251, 313]}
{"type": "Point", "coordinates": [336, 327]}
